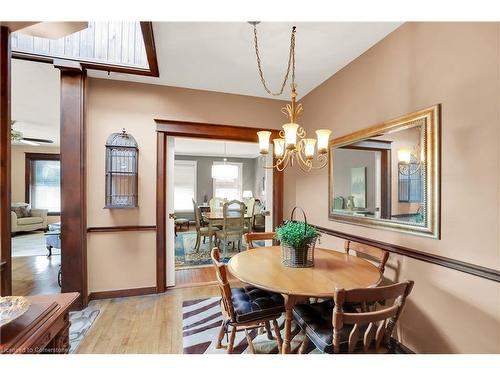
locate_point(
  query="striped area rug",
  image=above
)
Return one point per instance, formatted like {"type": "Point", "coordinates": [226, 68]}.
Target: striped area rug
{"type": "Point", "coordinates": [201, 321]}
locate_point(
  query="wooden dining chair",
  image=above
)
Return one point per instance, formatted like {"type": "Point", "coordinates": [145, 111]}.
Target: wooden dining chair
{"type": "Point", "coordinates": [233, 224]}
{"type": "Point", "coordinates": [244, 309]}
{"type": "Point", "coordinates": [257, 236]}
{"type": "Point", "coordinates": [368, 252]}
{"type": "Point", "coordinates": [336, 327]}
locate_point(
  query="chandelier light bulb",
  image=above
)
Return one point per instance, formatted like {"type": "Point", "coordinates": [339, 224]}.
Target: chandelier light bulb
{"type": "Point", "coordinates": [323, 139]}
{"type": "Point", "coordinates": [279, 147]}
{"type": "Point", "coordinates": [264, 136]}
{"type": "Point", "coordinates": [290, 135]}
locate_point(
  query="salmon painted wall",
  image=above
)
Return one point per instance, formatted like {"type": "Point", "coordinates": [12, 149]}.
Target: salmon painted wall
{"type": "Point", "coordinates": [417, 66]}
{"type": "Point", "coordinates": [128, 260]}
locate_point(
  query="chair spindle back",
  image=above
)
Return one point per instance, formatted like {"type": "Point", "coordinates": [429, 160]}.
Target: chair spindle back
{"type": "Point", "coordinates": [225, 288]}
{"type": "Point", "coordinates": [369, 252]}
{"type": "Point", "coordinates": [379, 323]}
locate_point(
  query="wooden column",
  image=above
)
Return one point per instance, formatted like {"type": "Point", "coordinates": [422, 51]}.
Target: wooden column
{"type": "Point", "coordinates": [5, 187]}
{"type": "Point", "coordinates": [73, 181]}
{"type": "Point", "coordinates": [161, 212]}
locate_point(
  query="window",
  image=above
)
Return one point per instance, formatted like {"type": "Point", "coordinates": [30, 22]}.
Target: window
{"type": "Point", "coordinates": [410, 184]}
{"type": "Point", "coordinates": [229, 189]}
{"type": "Point", "coordinates": [185, 185]}
{"type": "Point", "coordinates": [43, 182]}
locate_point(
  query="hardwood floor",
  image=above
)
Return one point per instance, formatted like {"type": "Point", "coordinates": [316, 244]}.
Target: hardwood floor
{"type": "Point", "coordinates": [195, 276]}
{"type": "Point", "coordinates": [144, 324]}
{"type": "Point", "coordinates": [35, 275]}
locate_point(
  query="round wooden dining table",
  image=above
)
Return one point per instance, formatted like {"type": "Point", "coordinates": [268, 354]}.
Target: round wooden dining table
{"type": "Point", "coordinates": [262, 267]}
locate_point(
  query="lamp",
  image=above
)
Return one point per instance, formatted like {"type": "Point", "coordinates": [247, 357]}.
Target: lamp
{"type": "Point", "coordinates": [410, 161]}
{"type": "Point", "coordinates": [225, 171]}
{"type": "Point", "coordinates": [247, 194]}
{"type": "Point", "coordinates": [292, 144]}
{"type": "Point", "coordinates": [264, 136]}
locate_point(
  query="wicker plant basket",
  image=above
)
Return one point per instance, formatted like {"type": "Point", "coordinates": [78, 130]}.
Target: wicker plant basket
{"type": "Point", "coordinates": [299, 257]}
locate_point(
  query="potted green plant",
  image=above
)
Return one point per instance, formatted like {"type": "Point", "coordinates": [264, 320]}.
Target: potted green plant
{"type": "Point", "coordinates": [298, 240]}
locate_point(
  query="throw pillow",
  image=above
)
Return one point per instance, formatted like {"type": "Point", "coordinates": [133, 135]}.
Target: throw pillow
{"type": "Point", "coordinates": [21, 210]}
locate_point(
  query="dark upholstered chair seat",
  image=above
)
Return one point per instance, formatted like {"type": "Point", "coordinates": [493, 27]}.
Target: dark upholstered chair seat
{"type": "Point", "coordinates": [316, 320]}
{"type": "Point", "coordinates": [252, 303]}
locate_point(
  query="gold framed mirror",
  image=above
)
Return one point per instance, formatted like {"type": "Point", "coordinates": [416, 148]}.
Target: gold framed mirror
{"type": "Point", "coordinates": [388, 175]}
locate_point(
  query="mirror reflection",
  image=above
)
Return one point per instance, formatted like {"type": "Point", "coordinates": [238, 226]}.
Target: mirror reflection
{"type": "Point", "coordinates": [382, 177]}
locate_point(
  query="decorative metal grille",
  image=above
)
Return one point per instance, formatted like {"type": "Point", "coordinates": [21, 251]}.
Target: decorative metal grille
{"type": "Point", "coordinates": [121, 170]}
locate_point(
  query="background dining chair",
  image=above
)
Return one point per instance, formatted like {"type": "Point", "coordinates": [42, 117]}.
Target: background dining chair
{"type": "Point", "coordinates": [215, 204]}
{"type": "Point", "coordinates": [233, 223]}
{"type": "Point", "coordinates": [257, 236]}
{"type": "Point", "coordinates": [368, 252]}
{"type": "Point", "coordinates": [202, 230]}
{"type": "Point", "coordinates": [245, 308]}
{"type": "Point", "coordinates": [335, 327]}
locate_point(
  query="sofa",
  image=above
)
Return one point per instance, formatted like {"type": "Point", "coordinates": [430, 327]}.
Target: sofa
{"type": "Point", "coordinates": [36, 220]}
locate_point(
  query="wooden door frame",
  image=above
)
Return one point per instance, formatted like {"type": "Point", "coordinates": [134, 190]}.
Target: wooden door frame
{"type": "Point", "coordinates": [5, 164]}
{"type": "Point", "coordinates": [165, 128]}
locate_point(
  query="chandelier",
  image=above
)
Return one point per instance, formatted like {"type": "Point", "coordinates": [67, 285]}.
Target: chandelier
{"type": "Point", "coordinates": [224, 171]}
{"type": "Point", "coordinates": [292, 146]}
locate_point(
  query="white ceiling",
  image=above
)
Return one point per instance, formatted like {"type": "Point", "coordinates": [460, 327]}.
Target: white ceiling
{"type": "Point", "coordinates": [219, 56]}
{"type": "Point", "coordinates": [215, 148]}
{"type": "Point", "coordinates": [35, 89]}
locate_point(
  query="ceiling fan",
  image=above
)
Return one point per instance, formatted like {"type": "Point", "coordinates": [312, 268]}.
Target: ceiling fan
{"type": "Point", "coordinates": [17, 136]}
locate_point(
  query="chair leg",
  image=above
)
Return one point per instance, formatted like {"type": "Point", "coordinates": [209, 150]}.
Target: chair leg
{"type": "Point", "coordinates": [232, 336]}
{"type": "Point", "coordinates": [198, 240]}
{"type": "Point", "coordinates": [268, 330]}
{"type": "Point", "coordinates": [250, 342]}
{"type": "Point", "coordinates": [278, 334]}
{"type": "Point", "coordinates": [304, 345]}
{"type": "Point", "coordinates": [222, 330]}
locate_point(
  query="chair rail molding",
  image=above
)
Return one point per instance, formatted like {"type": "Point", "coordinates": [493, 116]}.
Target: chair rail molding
{"type": "Point", "coordinates": [458, 265]}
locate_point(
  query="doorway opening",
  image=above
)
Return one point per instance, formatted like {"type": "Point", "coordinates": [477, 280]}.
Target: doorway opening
{"type": "Point", "coordinates": [205, 175]}
{"type": "Point", "coordinates": [35, 178]}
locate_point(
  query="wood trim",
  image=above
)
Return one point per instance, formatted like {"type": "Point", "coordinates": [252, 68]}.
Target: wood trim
{"type": "Point", "coordinates": [190, 129]}
{"type": "Point", "coordinates": [73, 184]}
{"type": "Point", "coordinates": [5, 164]}
{"type": "Point", "coordinates": [123, 228]}
{"type": "Point", "coordinates": [472, 269]}
{"type": "Point", "coordinates": [122, 293]}
{"type": "Point", "coordinates": [161, 213]}
{"type": "Point", "coordinates": [28, 158]}
{"type": "Point", "coordinates": [211, 131]}
{"type": "Point", "coordinates": [149, 44]}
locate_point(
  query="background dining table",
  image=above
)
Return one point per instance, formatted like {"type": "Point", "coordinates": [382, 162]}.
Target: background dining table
{"type": "Point", "coordinates": [262, 267]}
{"type": "Point", "coordinates": [217, 218]}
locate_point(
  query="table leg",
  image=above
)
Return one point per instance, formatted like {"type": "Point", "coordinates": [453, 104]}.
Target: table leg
{"type": "Point", "coordinates": [289, 303]}
{"type": "Point", "coordinates": [210, 235]}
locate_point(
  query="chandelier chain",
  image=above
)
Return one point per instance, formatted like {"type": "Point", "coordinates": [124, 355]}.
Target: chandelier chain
{"type": "Point", "coordinates": [291, 63]}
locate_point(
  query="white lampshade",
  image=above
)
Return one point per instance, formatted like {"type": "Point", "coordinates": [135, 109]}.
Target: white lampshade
{"type": "Point", "coordinates": [323, 138]}
{"type": "Point", "coordinates": [404, 155]}
{"type": "Point", "coordinates": [290, 135]}
{"type": "Point", "coordinates": [264, 136]}
{"type": "Point", "coordinates": [279, 147]}
{"type": "Point", "coordinates": [247, 194]}
{"type": "Point", "coordinates": [224, 171]}
{"type": "Point", "coordinates": [310, 143]}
